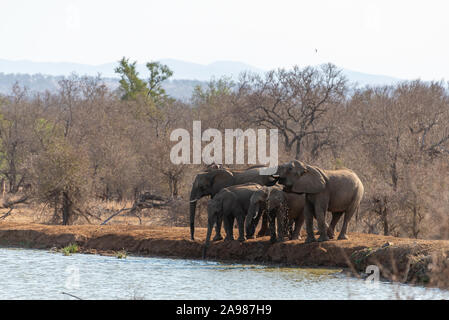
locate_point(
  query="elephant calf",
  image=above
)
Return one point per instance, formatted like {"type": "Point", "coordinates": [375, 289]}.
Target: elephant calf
{"type": "Point", "coordinates": [229, 204]}
{"type": "Point", "coordinates": [285, 208]}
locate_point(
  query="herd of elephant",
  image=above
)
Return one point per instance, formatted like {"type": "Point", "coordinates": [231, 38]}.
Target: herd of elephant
{"type": "Point", "coordinates": [298, 192]}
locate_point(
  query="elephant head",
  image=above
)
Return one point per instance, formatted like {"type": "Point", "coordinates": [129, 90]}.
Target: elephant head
{"type": "Point", "coordinates": [207, 184]}
{"type": "Point", "coordinates": [256, 208]}
{"type": "Point", "coordinates": [298, 177]}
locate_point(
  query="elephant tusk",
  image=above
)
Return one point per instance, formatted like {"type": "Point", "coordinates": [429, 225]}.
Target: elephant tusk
{"type": "Point", "coordinates": [275, 175]}
{"type": "Point", "coordinates": [193, 201]}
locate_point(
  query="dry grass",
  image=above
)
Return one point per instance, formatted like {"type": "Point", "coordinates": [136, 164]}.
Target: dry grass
{"type": "Point", "coordinates": [100, 210]}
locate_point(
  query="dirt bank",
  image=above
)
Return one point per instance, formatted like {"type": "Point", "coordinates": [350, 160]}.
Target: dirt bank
{"type": "Point", "coordinates": [399, 259]}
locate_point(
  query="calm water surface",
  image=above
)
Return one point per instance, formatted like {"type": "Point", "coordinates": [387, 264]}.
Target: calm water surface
{"type": "Point", "coordinates": [39, 274]}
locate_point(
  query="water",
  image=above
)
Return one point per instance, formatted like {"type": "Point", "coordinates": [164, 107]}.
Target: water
{"type": "Point", "coordinates": [39, 274]}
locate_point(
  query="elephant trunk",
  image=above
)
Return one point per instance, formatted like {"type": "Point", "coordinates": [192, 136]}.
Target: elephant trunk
{"type": "Point", "coordinates": [249, 226]}
{"type": "Point", "coordinates": [209, 232]}
{"type": "Point", "coordinates": [192, 218]}
{"type": "Point", "coordinates": [252, 219]}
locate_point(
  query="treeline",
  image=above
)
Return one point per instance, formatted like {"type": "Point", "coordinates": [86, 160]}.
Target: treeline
{"type": "Point", "coordinates": [86, 142]}
{"type": "Point", "coordinates": [177, 88]}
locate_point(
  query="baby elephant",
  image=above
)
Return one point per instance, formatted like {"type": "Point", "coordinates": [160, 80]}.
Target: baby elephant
{"type": "Point", "coordinates": [281, 207]}
{"type": "Point", "coordinates": [229, 204]}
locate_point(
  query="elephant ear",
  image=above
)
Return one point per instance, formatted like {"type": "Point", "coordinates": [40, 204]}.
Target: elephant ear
{"type": "Point", "coordinates": [309, 179]}
{"type": "Point", "coordinates": [220, 178]}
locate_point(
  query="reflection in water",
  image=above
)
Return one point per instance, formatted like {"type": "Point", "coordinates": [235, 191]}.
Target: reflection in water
{"type": "Point", "coordinates": [38, 274]}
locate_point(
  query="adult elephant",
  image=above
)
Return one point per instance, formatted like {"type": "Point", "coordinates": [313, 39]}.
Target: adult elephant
{"type": "Point", "coordinates": [337, 191]}
{"type": "Point", "coordinates": [230, 204]}
{"type": "Point", "coordinates": [281, 207]}
{"type": "Point", "coordinates": [210, 182]}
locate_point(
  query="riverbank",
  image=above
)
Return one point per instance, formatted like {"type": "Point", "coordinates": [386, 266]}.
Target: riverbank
{"type": "Point", "coordinates": [405, 260]}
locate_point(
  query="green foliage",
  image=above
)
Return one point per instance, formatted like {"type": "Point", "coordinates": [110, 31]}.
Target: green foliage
{"type": "Point", "coordinates": [70, 249]}
{"type": "Point", "coordinates": [130, 83]}
{"type": "Point", "coordinates": [214, 91]}
{"type": "Point", "coordinates": [3, 122]}
{"type": "Point", "coordinates": [61, 174]}
{"type": "Point", "coordinates": [359, 257]}
{"type": "Point", "coordinates": [121, 254]}
{"type": "Point", "coordinates": [339, 163]}
{"type": "Point", "coordinates": [46, 131]}
{"type": "Point", "coordinates": [14, 140]}
{"type": "Point", "coordinates": [60, 160]}
{"type": "Point", "coordinates": [149, 97]}
{"type": "Point", "coordinates": [4, 125]}
{"type": "Point", "coordinates": [134, 87]}
{"type": "Point", "coordinates": [158, 74]}
{"type": "Point", "coordinates": [213, 99]}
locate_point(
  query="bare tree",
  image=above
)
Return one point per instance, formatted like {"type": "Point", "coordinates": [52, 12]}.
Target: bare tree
{"type": "Point", "coordinates": [293, 102]}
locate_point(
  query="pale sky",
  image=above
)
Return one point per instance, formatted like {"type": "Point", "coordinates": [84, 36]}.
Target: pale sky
{"type": "Point", "coordinates": [404, 39]}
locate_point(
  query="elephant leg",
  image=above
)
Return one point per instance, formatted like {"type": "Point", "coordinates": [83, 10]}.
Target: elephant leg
{"type": "Point", "coordinates": [308, 216]}
{"type": "Point", "coordinates": [272, 223]}
{"type": "Point", "coordinates": [325, 225]}
{"type": "Point", "coordinates": [241, 225]}
{"type": "Point", "coordinates": [314, 216]}
{"type": "Point", "coordinates": [320, 212]}
{"type": "Point", "coordinates": [348, 215]}
{"type": "Point", "coordinates": [229, 227]}
{"type": "Point", "coordinates": [264, 227]}
{"type": "Point", "coordinates": [298, 224]}
{"type": "Point", "coordinates": [290, 228]}
{"type": "Point", "coordinates": [331, 229]}
{"type": "Point", "coordinates": [218, 229]}
{"type": "Point", "coordinates": [280, 225]}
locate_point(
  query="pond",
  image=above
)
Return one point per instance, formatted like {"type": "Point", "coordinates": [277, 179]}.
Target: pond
{"type": "Point", "coordinates": [40, 274]}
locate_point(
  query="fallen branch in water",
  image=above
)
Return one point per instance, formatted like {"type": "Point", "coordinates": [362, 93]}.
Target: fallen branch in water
{"type": "Point", "coordinates": [69, 294]}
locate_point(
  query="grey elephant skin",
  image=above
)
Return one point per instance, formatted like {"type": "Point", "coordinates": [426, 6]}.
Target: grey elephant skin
{"type": "Point", "coordinates": [230, 204]}
{"type": "Point", "coordinates": [281, 207]}
{"type": "Point", "coordinates": [337, 191]}
{"type": "Point", "coordinates": [210, 182]}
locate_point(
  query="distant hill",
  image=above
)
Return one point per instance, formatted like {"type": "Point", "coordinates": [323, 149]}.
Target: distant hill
{"type": "Point", "coordinates": [39, 76]}
{"type": "Point", "coordinates": [182, 69]}
{"type": "Point", "coordinates": [188, 70]}
{"type": "Point", "coordinates": [364, 79]}
{"type": "Point", "coordinates": [179, 89]}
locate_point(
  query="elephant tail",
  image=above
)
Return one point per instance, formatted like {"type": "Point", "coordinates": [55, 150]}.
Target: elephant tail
{"type": "Point", "coordinates": [360, 193]}
{"type": "Point", "coordinates": [355, 205]}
